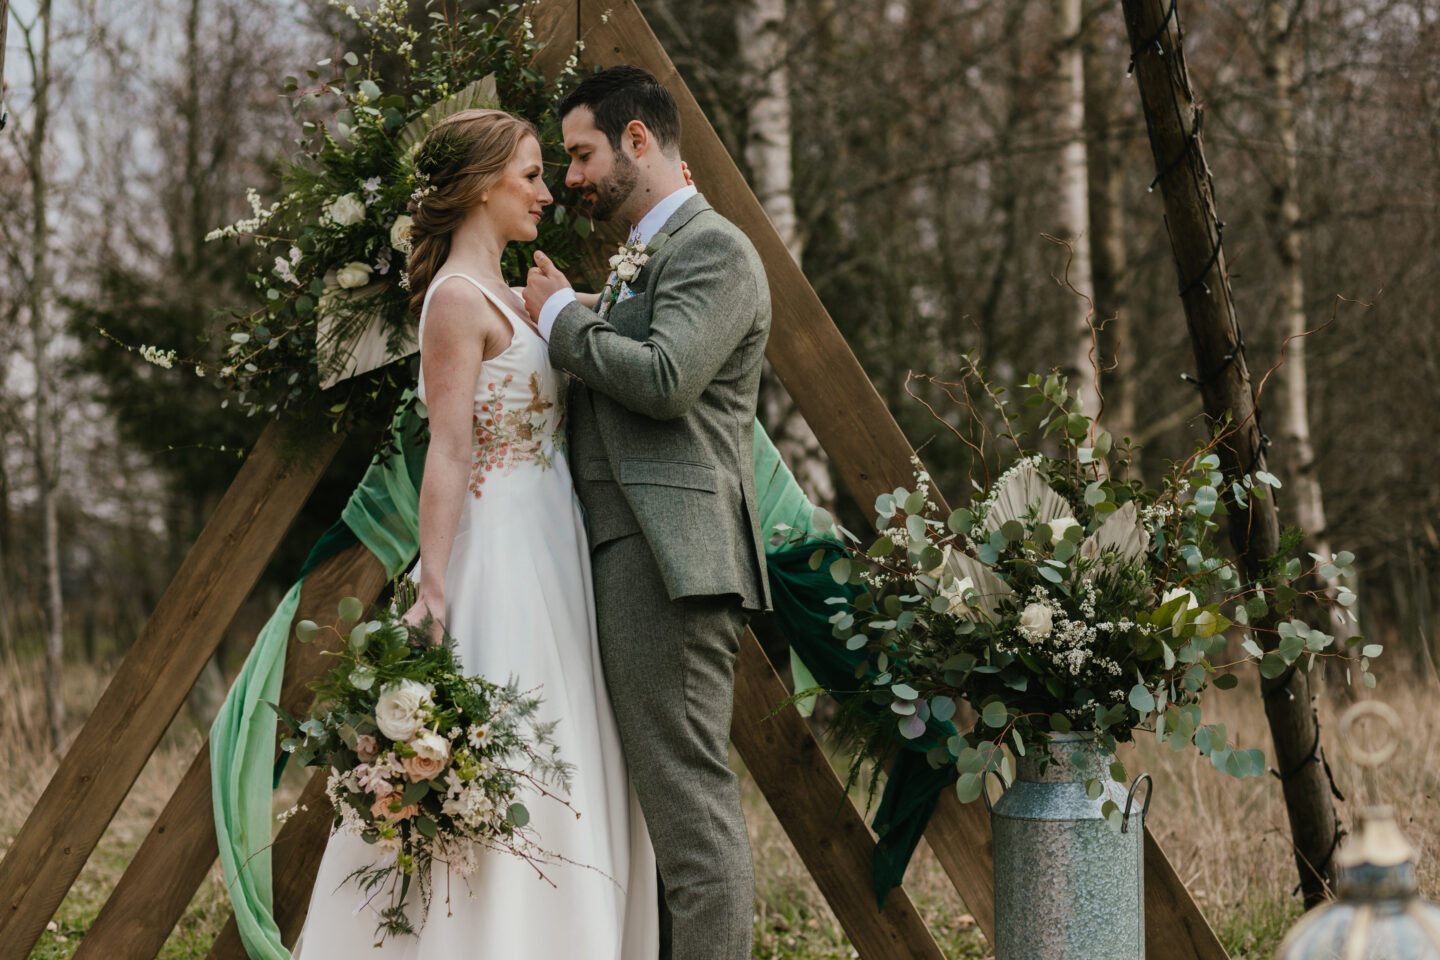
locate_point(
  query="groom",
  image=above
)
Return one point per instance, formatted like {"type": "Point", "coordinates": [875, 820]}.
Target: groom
{"type": "Point", "coordinates": [667, 368]}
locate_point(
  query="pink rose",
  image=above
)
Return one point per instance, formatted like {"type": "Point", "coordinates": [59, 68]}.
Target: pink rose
{"type": "Point", "coordinates": [367, 747]}
{"type": "Point", "coordinates": [419, 768]}
{"type": "Point", "coordinates": [384, 808]}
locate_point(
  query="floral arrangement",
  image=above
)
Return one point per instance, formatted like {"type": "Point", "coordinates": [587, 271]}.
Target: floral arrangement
{"type": "Point", "coordinates": [427, 764]}
{"type": "Point", "coordinates": [1066, 597]}
{"type": "Point", "coordinates": [331, 289]}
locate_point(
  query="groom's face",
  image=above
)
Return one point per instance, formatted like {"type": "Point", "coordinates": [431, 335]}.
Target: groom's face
{"type": "Point", "coordinates": [605, 177]}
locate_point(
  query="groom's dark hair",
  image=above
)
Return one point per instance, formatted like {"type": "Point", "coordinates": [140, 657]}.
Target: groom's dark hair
{"type": "Point", "coordinates": [618, 95]}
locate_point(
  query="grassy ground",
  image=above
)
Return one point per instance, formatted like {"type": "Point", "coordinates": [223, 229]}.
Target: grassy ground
{"type": "Point", "coordinates": [1228, 838]}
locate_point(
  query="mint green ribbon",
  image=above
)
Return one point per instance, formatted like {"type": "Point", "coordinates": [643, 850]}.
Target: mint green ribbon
{"type": "Point", "coordinates": [383, 514]}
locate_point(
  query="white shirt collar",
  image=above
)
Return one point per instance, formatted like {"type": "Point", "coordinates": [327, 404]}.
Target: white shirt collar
{"type": "Point", "coordinates": [651, 223]}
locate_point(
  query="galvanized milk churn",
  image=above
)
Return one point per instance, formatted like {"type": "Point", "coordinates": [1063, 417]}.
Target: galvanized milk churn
{"type": "Point", "coordinates": [1068, 886]}
{"type": "Point", "coordinates": [1379, 914]}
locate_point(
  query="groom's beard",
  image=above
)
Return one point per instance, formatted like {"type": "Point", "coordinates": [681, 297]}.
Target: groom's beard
{"type": "Point", "coordinates": [612, 192]}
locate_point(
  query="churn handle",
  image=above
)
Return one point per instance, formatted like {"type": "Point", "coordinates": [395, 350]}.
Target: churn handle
{"type": "Point", "coordinates": [986, 793]}
{"type": "Point", "coordinates": [1130, 799]}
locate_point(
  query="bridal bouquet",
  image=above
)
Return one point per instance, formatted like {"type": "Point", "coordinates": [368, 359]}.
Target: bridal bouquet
{"type": "Point", "coordinates": [427, 764]}
{"type": "Point", "coordinates": [1066, 597]}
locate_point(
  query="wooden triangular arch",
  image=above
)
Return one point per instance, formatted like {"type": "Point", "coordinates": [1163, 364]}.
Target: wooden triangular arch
{"type": "Point", "coordinates": [863, 442]}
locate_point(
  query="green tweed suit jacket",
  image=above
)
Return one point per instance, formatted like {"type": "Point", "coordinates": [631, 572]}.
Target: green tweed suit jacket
{"type": "Point", "coordinates": [662, 406]}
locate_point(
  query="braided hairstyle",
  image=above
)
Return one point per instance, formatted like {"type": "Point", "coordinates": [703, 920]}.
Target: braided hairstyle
{"type": "Point", "coordinates": [462, 157]}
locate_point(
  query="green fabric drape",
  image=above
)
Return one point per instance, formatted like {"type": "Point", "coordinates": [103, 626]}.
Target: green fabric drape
{"type": "Point", "coordinates": [383, 514]}
{"type": "Point", "coordinates": [242, 754]}
{"type": "Point", "coordinates": [799, 595]}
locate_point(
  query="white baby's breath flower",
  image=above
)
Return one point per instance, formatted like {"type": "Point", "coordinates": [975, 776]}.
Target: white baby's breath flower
{"type": "Point", "coordinates": [161, 358]}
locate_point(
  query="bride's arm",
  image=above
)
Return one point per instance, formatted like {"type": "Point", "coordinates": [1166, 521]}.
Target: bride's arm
{"type": "Point", "coordinates": [454, 345]}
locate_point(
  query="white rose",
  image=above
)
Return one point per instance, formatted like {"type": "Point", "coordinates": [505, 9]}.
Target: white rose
{"type": "Point", "coordinates": [1191, 603]}
{"type": "Point", "coordinates": [398, 711]}
{"type": "Point", "coordinates": [1059, 525]}
{"type": "Point", "coordinates": [615, 261]}
{"type": "Point", "coordinates": [429, 745]}
{"type": "Point", "coordinates": [626, 271]}
{"type": "Point", "coordinates": [346, 210]}
{"type": "Point", "coordinates": [1036, 621]}
{"type": "Point", "coordinates": [400, 233]}
{"type": "Point", "coordinates": [353, 274]}
{"type": "Point", "coordinates": [639, 248]}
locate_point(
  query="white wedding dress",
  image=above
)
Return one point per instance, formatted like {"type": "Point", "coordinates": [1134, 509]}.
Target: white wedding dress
{"type": "Point", "coordinates": [519, 594]}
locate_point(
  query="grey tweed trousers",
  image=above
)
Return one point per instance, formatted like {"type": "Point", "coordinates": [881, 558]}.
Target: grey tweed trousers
{"type": "Point", "coordinates": [670, 668]}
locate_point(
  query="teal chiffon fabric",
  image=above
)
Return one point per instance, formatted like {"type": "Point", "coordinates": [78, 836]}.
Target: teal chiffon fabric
{"type": "Point", "coordinates": [383, 514]}
{"type": "Point", "coordinates": [799, 594]}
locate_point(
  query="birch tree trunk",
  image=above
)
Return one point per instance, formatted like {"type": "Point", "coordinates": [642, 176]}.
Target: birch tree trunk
{"type": "Point", "coordinates": [1106, 194]}
{"type": "Point", "coordinates": [759, 28]}
{"type": "Point", "coordinates": [4, 33]}
{"type": "Point", "coordinates": [1073, 209]}
{"type": "Point", "coordinates": [1284, 216]}
{"type": "Point", "coordinates": [46, 436]}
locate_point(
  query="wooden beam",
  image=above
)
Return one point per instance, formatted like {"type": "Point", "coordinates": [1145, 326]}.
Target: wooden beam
{"type": "Point", "coordinates": [161, 879]}
{"type": "Point", "coordinates": [152, 682]}
{"type": "Point", "coordinates": [837, 399]}
{"type": "Point", "coordinates": [809, 800]}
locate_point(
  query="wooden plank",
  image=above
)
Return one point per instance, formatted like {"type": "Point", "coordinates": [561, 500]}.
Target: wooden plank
{"type": "Point", "coordinates": [836, 398]}
{"type": "Point", "coordinates": [959, 836]}
{"type": "Point", "coordinates": [173, 860]}
{"type": "Point", "coordinates": [152, 682]}
{"type": "Point", "coordinates": [809, 800]}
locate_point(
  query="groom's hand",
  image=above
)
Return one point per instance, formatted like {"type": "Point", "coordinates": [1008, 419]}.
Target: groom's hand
{"type": "Point", "coordinates": [543, 281]}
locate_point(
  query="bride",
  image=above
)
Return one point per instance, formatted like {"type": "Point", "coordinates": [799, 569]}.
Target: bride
{"type": "Point", "coordinates": [505, 567]}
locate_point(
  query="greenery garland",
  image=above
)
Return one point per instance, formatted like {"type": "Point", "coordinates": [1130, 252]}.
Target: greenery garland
{"type": "Point", "coordinates": [330, 252]}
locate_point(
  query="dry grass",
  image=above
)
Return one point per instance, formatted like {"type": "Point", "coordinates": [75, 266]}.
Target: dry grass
{"type": "Point", "coordinates": [1229, 839]}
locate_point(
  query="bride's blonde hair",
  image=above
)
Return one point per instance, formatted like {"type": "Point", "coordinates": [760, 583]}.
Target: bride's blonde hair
{"type": "Point", "coordinates": [462, 157]}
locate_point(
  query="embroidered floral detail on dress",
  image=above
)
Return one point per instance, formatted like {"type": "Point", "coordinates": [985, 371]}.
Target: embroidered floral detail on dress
{"type": "Point", "coordinates": [507, 435]}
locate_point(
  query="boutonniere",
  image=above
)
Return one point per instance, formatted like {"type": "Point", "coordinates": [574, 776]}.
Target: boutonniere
{"type": "Point", "coordinates": [629, 261]}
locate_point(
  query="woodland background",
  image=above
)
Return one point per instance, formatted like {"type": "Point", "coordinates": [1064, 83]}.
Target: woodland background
{"type": "Point", "coordinates": [925, 160]}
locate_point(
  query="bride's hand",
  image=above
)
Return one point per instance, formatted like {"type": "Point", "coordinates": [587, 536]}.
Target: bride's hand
{"type": "Point", "coordinates": [424, 608]}
{"type": "Point", "coordinates": [685, 169]}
